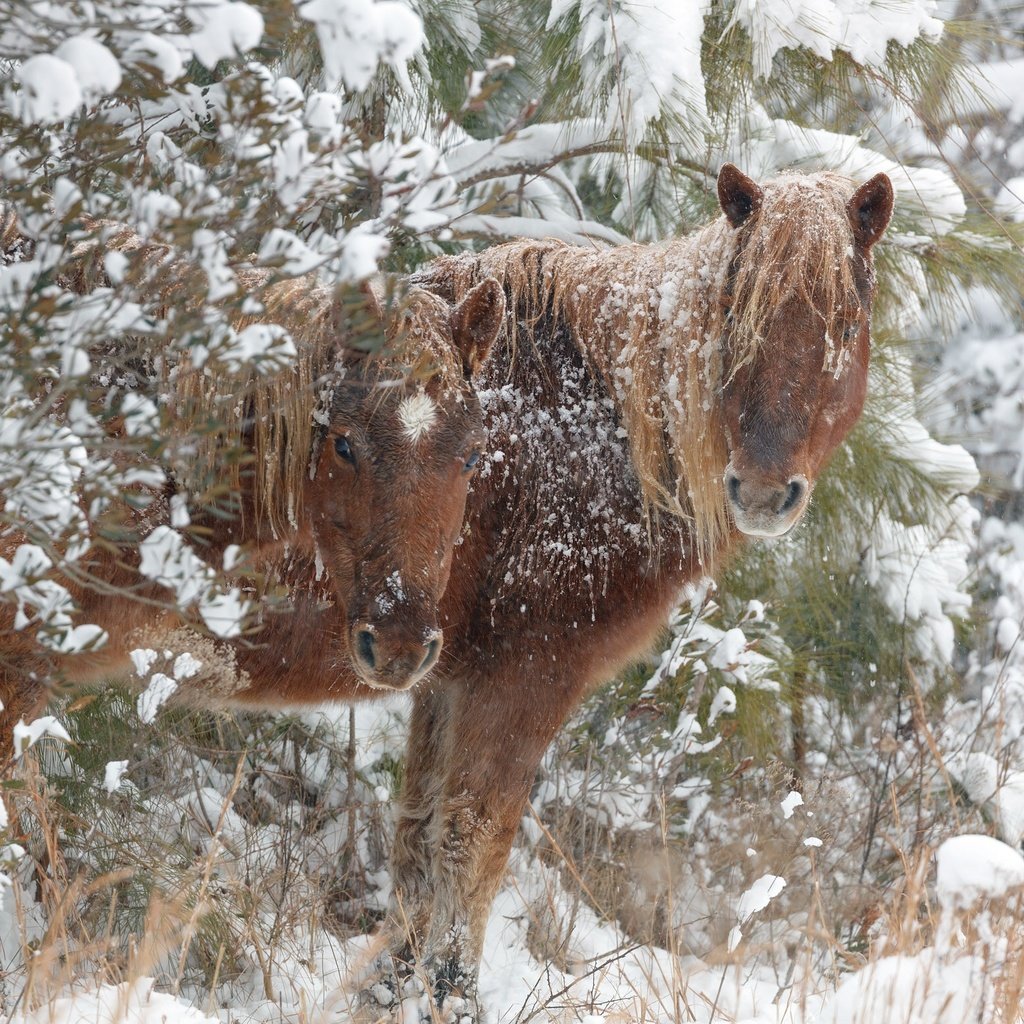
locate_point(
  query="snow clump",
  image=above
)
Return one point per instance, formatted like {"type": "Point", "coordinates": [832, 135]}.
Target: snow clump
{"type": "Point", "coordinates": [974, 867]}
{"type": "Point", "coordinates": [862, 29]}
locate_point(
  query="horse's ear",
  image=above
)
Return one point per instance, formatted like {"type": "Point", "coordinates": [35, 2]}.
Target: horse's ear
{"type": "Point", "coordinates": [345, 309]}
{"type": "Point", "coordinates": [373, 292]}
{"type": "Point", "coordinates": [870, 209]}
{"type": "Point", "coordinates": [476, 322]}
{"type": "Point", "coordinates": [738, 195]}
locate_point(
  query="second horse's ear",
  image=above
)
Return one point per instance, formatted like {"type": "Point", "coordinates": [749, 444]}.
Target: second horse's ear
{"type": "Point", "coordinates": [373, 292]}
{"type": "Point", "coordinates": [366, 310]}
{"type": "Point", "coordinates": [476, 322]}
{"type": "Point", "coordinates": [870, 209]}
{"type": "Point", "coordinates": [738, 195]}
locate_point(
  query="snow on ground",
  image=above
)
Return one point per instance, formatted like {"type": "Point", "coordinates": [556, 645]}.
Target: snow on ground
{"type": "Point", "coordinates": [608, 979]}
{"type": "Point", "coordinates": [971, 868]}
{"type": "Point", "coordinates": [922, 989]}
{"type": "Point", "coordinates": [135, 1002]}
{"type": "Point", "coordinates": [545, 951]}
{"type": "Point", "coordinates": [548, 956]}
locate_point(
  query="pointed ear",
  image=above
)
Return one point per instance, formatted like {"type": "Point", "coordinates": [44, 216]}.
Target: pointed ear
{"type": "Point", "coordinates": [476, 322]}
{"type": "Point", "coordinates": [373, 291]}
{"type": "Point", "coordinates": [367, 311]}
{"type": "Point", "coordinates": [738, 195]}
{"type": "Point", "coordinates": [870, 209]}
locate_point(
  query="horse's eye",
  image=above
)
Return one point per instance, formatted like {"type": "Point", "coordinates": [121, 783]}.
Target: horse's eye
{"type": "Point", "coordinates": [344, 449]}
{"type": "Point", "coordinates": [471, 462]}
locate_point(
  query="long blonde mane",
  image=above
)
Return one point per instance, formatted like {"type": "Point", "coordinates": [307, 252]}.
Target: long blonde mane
{"type": "Point", "coordinates": [653, 319]}
{"type": "Point", "coordinates": [277, 419]}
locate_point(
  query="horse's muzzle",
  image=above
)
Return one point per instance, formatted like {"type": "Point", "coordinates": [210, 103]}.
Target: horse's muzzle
{"type": "Point", "coordinates": [390, 660]}
{"type": "Point", "coordinates": [765, 508]}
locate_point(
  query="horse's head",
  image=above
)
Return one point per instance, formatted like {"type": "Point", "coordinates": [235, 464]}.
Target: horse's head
{"type": "Point", "coordinates": [388, 491]}
{"type": "Point", "coordinates": [797, 322]}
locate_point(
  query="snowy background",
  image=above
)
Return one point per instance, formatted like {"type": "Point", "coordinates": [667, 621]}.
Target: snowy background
{"type": "Point", "coordinates": [809, 805]}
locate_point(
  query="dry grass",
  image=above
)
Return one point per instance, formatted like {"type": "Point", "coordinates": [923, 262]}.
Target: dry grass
{"type": "Point", "coordinates": [258, 853]}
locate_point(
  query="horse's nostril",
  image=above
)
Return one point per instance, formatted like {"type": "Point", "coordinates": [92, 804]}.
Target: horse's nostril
{"type": "Point", "coordinates": [366, 648]}
{"type": "Point", "coordinates": [794, 493]}
{"type": "Point", "coordinates": [732, 483]}
{"type": "Point", "coordinates": [433, 650]}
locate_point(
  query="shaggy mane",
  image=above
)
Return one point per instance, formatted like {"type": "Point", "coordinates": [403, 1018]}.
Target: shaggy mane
{"type": "Point", "coordinates": [282, 416]}
{"type": "Point", "coordinates": [653, 319]}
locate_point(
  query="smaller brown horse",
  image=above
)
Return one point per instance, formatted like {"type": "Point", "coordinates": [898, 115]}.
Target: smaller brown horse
{"type": "Point", "coordinates": [351, 500]}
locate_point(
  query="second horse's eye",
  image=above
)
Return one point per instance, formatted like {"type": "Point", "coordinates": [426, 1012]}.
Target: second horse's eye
{"type": "Point", "coordinates": [471, 462]}
{"type": "Point", "coordinates": [344, 449]}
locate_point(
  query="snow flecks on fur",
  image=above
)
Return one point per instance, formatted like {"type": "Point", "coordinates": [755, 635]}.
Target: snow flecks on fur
{"type": "Point", "coordinates": [394, 594]}
{"type": "Point", "coordinates": [569, 460]}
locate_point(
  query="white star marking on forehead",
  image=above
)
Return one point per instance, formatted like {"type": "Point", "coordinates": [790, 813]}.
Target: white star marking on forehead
{"type": "Point", "coordinates": [417, 414]}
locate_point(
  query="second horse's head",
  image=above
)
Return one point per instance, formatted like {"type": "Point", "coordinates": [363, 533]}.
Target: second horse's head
{"type": "Point", "coordinates": [402, 434]}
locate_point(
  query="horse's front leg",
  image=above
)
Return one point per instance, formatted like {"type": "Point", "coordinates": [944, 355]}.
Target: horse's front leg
{"type": "Point", "coordinates": [412, 855]}
{"type": "Point", "coordinates": [498, 732]}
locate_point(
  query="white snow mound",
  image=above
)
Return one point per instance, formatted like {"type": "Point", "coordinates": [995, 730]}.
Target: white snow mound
{"type": "Point", "coordinates": [973, 867]}
{"type": "Point", "coordinates": [129, 1003]}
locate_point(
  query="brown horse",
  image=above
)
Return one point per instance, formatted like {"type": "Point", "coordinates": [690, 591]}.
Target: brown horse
{"type": "Point", "coordinates": [649, 406]}
{"type": "Point", "coordinates": [351, 499]}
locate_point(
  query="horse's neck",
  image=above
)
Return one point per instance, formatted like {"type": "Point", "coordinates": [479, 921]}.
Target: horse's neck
{"type": "Point", "coordinates": [646, 303]}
